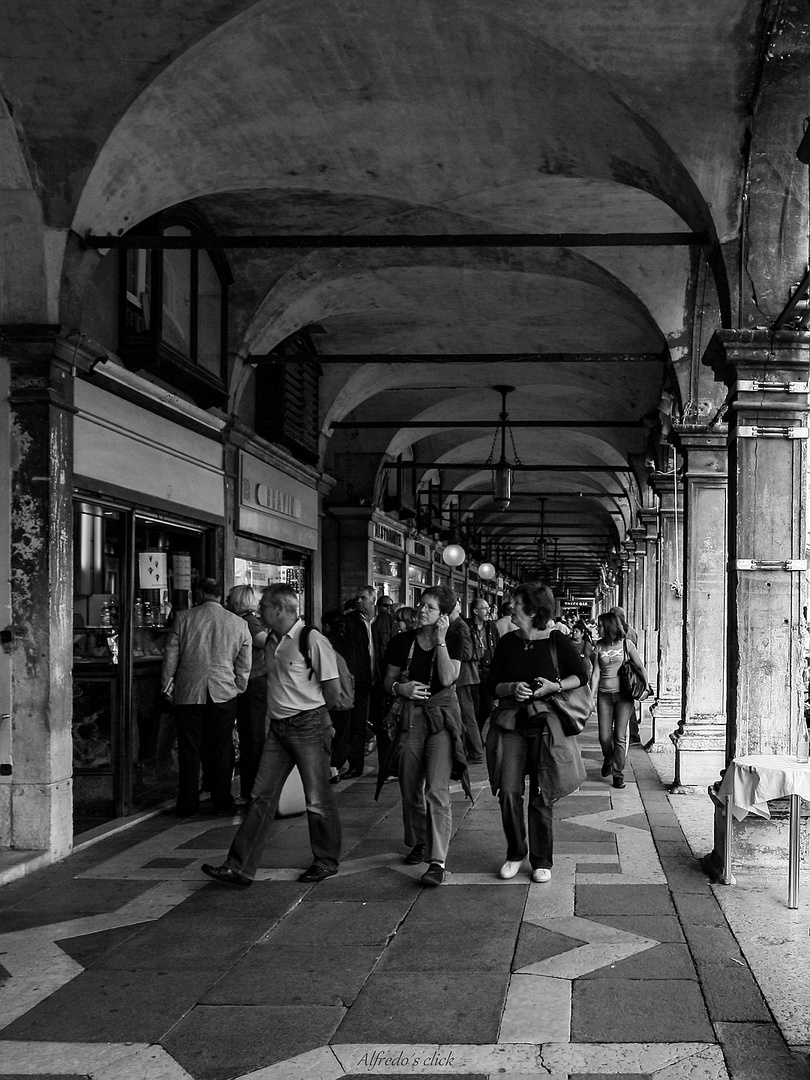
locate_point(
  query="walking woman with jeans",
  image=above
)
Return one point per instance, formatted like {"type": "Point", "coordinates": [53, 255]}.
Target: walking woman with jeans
{"type": "Point", "coordinates": [525, 737]}
{"type": "Point", "coordinates": [614, 708]}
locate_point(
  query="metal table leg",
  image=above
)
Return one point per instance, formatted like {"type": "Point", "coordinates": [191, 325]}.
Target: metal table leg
{"type": "Point", "coordinates": [793, 855]}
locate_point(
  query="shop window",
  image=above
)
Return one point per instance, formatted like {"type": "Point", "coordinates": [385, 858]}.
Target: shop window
{"type": "Point", "coordinates": [387, 578]}
{"type": "Point", "coordinates": [173, 309]}
{"type": "Point", "coordinates": [287, 401]}
{"type": "Point", "coordinates": [132, 571]}
{"type": "Point", "coordinates": [262, 574]}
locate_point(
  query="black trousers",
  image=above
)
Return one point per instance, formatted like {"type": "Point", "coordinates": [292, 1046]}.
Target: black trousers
{"type": "Point", "coordinates": [251, 723]}
{"type": "Point", "coordinates": [205, 736]}
{"type": "Point", "coordinates": [369, 708]}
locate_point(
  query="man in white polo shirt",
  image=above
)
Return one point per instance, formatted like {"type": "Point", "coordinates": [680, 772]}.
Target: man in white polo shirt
{"type": "Point", "coordinates": [298, 702]}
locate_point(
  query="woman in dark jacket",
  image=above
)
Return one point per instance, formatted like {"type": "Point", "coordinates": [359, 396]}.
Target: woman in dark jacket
{"type": "Point", "coordinates": [422, 667]}
{"type": "Point", "coordinates": [530, 741]}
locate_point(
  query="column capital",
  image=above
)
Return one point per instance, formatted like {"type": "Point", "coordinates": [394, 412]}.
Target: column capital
{"type": "Point", "coordinates": [705, 450]}
{"type": "Point", "coordinates": [666, 486]}
{"type": "Point", "coordinates": [762, 354]}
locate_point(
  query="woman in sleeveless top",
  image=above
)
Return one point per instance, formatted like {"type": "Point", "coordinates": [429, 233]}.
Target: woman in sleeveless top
{"type": "Point", "coordinates": [614, 708]}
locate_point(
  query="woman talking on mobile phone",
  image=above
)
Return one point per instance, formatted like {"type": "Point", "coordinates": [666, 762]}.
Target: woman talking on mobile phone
{"type": "Point", "coordinates": [422, 668]}
{"type": "Point", "coordinates": [525, 737]}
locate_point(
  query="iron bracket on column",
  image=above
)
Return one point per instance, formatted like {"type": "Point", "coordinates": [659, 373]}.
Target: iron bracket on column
{"type": "Point", "coordinates": [747, 432]}
{"type": "Point", "coordinates": [756, 385]}
{"type": "Point", "coordinates": [793, 566]}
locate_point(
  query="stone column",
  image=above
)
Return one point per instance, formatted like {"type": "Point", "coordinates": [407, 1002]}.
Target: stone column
{"type": "Point", "coordinates": [701, 735]}
{"type": "Point", "coordinates": [767, 375]}
{"type": "Point", "coordinates": [628, 578]}
{"type": "Point", "coordinates": [639, 537]}
{"type": "Point", "coordinates": [36, 810]}
{"type": "Point", "coordinates": [649, 519]}
{"type": "Point", "coordinates": [666, 709]}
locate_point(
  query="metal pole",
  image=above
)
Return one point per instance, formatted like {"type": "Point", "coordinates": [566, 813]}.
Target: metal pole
{"type": "Point", "coordinates": [728, 877]}
{"type": "Point", "coordinates": [793, 853]}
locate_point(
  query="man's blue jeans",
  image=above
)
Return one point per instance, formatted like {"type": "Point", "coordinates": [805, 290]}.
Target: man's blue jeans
{"type": "Point", "coordinates": [303, 740]}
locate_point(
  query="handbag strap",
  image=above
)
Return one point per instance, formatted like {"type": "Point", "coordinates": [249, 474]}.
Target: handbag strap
{"type": "Point", "coordinates": [404, 671]}
{"type": "Point", "coordinates": [552, 645]}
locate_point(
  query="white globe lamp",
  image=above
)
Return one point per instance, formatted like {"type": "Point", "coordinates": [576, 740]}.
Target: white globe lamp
{"type": "Point", "coordinates": [486, 571]}
{"type": "Point", "coordinates": [454, 555]}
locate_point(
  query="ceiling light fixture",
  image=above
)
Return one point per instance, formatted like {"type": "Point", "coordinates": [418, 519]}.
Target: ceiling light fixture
{"type": "Point", "coordinates": [502, 472]}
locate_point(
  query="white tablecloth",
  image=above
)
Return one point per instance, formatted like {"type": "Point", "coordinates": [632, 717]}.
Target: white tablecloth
{"type": "Point", "coordinates": [751, 781]}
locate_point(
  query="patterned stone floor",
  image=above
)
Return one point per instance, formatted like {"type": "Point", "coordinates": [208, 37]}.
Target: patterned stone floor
{"type": "Point", "coordinates": [125, 963]}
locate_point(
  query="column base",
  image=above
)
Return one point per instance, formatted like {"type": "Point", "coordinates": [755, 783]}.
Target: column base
{"type": "Point", "coordinates": [666, 716]}
{"type": "Point", "coordinates": [700, 754]}
{"type": "Point", "coordinates": [37, 817]}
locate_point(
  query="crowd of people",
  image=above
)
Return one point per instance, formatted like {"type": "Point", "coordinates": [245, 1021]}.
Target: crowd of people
{"type": "Point", "coordinates": [433, 692]}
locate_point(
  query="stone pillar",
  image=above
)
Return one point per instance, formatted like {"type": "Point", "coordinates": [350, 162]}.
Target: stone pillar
{"type": "Point", "coordinates": [349, 551]}
{"type": "Point", "coordinates": [36, 810]}
{"type": "Point", "coordinates": [767, 374]}
{"type": "Point", "coordinates": [628, 578]}
{"type": "Point", "coordinates": [639, 537]}
{"type": "Point", "coordinates": [701, 735]}
{"type": "Point", "coordinates": [649, 519]}
{"type": "Point", "coordinates": [666, 709]}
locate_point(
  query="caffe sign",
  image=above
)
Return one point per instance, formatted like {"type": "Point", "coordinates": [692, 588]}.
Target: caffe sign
{"type": "Point", "coordinates": [275, 506]}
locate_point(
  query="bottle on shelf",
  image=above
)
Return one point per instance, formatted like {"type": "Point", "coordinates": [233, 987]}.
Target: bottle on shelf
{"type": "Point", "coordinates": [138, 613]}
{"type": "Point", "coordinates": [803, 746]}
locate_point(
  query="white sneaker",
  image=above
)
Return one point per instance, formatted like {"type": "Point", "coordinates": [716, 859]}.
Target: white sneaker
{"type": "Point", "coordinates": [509, 869]}
{"type": "Point", "coordinates": [542, 873]}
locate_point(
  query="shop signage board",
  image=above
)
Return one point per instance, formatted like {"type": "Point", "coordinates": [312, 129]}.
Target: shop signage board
{"type": "Point", "coordinates": [276, 506]}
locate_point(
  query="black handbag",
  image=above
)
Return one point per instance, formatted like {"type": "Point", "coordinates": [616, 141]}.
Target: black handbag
{"type": "Point", "coordinates": [571, 707]}
{"type": "Point", "coordinates": [631, 680]}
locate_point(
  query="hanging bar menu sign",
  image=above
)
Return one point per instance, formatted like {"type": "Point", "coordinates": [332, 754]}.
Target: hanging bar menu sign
{"type": "Point", "coordinates": [181, 572]}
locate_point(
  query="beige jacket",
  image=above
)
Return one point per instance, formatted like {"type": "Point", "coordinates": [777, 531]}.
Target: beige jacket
{"type": "Point", "coordinates": [208, 651]}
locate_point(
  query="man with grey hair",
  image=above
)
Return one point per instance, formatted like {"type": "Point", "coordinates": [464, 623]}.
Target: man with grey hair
{"type": "Point", "coordinates": [206, 664]}
{"type": "Point", "coordinates": [298, 700]}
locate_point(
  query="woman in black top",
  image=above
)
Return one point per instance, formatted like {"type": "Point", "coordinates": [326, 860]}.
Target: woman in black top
{"type": "Point", "coordinates": [520, 739]}
{"type": "Point", "coordinates": [422, 668]}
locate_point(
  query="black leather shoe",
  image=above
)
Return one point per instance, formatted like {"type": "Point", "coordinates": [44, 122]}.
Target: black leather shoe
{"type": "Point", "coordinates": [226, 875]}
{"type": "Point", "coordinates": [317, 872]}
{"type": "Point", "coordinates": [434, 875]}
{"type": "Point", "coordinates": [335, 779]}
{"type": "Point", "coordinates": [351, 774]}
{"type": "Point", "coordinates": [415, 856]}
{"type": "Point", "coordinates": [618, 782]}
{"type": "Point", "coordinates": [607, 765]}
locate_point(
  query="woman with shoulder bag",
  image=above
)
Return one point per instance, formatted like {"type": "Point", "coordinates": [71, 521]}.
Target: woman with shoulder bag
{"type": "Point", "coordinates": [422, 667]}
{"type": "Point", "coordinates": [615, 707]}
{"type": "Point", "coordinates": [525, 735]}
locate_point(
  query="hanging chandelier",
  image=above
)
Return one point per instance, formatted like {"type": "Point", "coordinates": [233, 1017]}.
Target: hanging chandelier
{"type": "Point", "coordinates": [540, 539]}
{"type": "Point", "coordinates": [502, 471]}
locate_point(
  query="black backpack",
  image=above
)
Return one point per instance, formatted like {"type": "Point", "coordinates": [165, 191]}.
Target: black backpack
{"type": "Point", "coordinates": [345, 700]}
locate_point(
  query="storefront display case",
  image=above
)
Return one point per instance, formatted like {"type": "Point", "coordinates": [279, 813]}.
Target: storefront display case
{"type": "Point", "coordinates": [132, 571]}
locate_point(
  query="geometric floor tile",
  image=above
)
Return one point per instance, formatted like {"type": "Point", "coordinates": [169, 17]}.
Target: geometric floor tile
{"type": "Point", "coordinates": [630, 1010]}
{"type": "Point", "coordinates": [536, 943]}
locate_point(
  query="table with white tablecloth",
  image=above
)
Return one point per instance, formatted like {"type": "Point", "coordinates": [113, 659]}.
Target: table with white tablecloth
{"type": "Point", "coordinates": [747, 787]}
